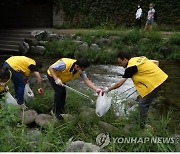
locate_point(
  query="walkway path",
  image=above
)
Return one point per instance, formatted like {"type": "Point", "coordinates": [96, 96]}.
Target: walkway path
{"type": "Point", "coordinates": [73, 31]}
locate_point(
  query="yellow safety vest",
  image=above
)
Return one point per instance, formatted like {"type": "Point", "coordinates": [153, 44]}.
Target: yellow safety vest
{"type": "Point", "coordinates": [65, 75]}
{"type": "Point", "coordinates": [21, 64]}
{"type": "Point", "coordinates": [3, 85]}
{"type": "Point", "coordinates": [148, 77]}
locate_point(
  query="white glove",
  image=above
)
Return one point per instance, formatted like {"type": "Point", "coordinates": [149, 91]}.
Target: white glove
{"type": "Point", "coordinates": [106, 90]}
{"type": "Point", "coordinates": [6, 89]}
{"type": "Point", "coordinates": [59, 82]}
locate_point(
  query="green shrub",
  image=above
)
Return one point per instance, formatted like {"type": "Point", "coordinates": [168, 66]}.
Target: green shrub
{"type": "Point", "coordinates": [174, 39]}
{"type": "Point", "coordinates": [131, 37]}
{"type": "Point", "coordinates": [64, 48]}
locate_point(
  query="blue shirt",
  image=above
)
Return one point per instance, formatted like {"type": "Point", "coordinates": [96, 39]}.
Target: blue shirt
{"type": "Point", "coordinates": [61, 67]}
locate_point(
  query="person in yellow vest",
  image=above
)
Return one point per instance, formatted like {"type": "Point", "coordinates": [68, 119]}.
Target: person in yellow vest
{"type": "Point", "coordinates": [21, 68]}
{"type": "Point", "coordinates": [5, 77]}
{"type": "Point", "coordinates": [146, 76]}
{"type": "Point", "coordinates": [63, 71]}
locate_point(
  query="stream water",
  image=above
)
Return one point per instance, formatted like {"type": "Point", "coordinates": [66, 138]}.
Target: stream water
{"type": "Point", "coordinates": [168, 98]}
{"type": "Point", "coordinates": [105, 75]}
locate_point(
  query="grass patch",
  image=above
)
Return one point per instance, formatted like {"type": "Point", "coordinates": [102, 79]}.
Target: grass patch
{"type": "Point", "coordinates": [109, 42]}
{"type": "Point", "coordinates": [17, 137]}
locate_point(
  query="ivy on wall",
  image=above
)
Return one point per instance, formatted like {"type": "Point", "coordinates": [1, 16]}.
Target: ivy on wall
{"type": "Point", "coordinates": [92, 13]}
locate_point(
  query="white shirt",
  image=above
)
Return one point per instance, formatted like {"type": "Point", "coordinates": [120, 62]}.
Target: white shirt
{"type": "Point", "coordinates": [138, 13]}
{"type": "Point", "coordinates": [151, 14]}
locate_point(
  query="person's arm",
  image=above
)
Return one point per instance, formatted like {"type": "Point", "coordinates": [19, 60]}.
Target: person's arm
{"type": "Point", "coordinates": [34, 69]}
{"type": "Point", "coordinates": [53, 73]}
{"type": "Point", "coordinates": [39, 79]}
{"type": "Point", "coordinates": [117, 84]}
{"type": "Point", "coordinates": [56, 79]}
{"type": "Point", "coordinates": [90, 84]}
{"type": "Point", "coordinates": [57, 67]}
{"type": "Point", "coordinates": [156, 62]}
{"type": "Point", "coordinates": [129, 72]}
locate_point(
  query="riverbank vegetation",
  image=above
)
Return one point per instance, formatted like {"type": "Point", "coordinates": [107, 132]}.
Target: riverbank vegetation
{"type": "Point", "coordinates": [101, 46]}
{"type": "Point", "coordinates": [85, 126]}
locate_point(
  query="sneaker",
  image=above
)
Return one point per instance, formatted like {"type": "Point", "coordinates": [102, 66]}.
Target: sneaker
{"type": "Point", "coordinates": [52, 113]}
{"type": "Point", "coordinates": [59, 117]}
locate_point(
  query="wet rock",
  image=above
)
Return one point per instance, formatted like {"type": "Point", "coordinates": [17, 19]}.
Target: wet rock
{"type": "Point", "coordinates": [78, 42]}
{"type": "Point", "coordinates": [107, 126]}
{"type": "Point", "coordinates": [52, 37]}
{"type": "Point", "coordinates": [24, 48]}
{"type": "Point", "coordinates": [103, 42]}
{"type": "Point", "coordinates": [33, 137]}
{"type": "Point", "coordinates": [37, 50]}
{"type": "Point", "coordinates": [31, 41]}
{"type": "Point", "coordinates": [42, 43]}
{"type": "Point", "coordinates": [68, 117]}
{"type": "Point", "coordinates": [176, 139]}
{"type": "Point", "coordinates": [78, 38]}
{"type": "Point", "coordinates": [80, 146]}
{"type": "Point", "coordinates": [43, 120]}
{"type": "Point", "coordinates": [39, 35]}
{"type": "Point", "coordinates": [32, 134]}
{"type": "Point", "coordinates": [27, 116]}
{"type": "Point", "coordinates": [95, 47]}
{"type": "Point", "coordinates": [84, 46]}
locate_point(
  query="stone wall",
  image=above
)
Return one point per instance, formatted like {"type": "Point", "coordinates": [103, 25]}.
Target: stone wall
{"type": "Point", "coordinates": [58, 17]}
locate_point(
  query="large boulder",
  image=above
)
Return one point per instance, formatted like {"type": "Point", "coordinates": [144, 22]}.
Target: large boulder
{"type": "Point", "coordinates": [107, 126]}
{"type": "Point", "coordinates": [39, 35]}
{"type": "Point", "coordinates": [43, 120]}
{"type": "Point", "coordinates": [95, 47]}
{"type": "Point", "coordinates": [83, 46]}
{"type": "Point", "coordinates": [38, 50]}
{"type": "Point", "coordinates": [28, 116]}
{"type": "Point", "coordinates": [68, 117]}
{"type": "Point", "coordinates": [80, 146]}
{"type": "Point", "coordinates": [23, 48]}
{"type": "Point", "coordinates": [103, 42]}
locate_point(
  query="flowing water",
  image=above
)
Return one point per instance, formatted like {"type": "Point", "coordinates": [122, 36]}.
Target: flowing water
{"type": "Point", "coordinates": [105, 75]}
{"type": "Point", "coordinates": [168, 98]}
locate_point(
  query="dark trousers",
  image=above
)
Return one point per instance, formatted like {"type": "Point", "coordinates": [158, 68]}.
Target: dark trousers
{"type": "Point", "coordinates": [145, 102]}
{"type": "Point", "coordinates": [59, 96]}
{"type": "Point", "coordinates": [138, 23]}
{"type": "Point", "coordinates": [19, 83]}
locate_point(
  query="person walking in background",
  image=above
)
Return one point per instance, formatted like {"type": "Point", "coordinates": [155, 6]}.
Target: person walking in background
{"type": "Point", "coordinates": [150, 17]}
{"type": "Point", "coordinates": [147, 78]}
{"type": "Point", "coordinates": [60, 73]}
{"type": "Point", "coordinates": [21, 67]}
{"type": "Point", "coordinates": [138, 16]}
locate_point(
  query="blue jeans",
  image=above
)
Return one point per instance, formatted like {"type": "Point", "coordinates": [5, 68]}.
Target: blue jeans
{"type": "Point", "coordinates": [19, 83]}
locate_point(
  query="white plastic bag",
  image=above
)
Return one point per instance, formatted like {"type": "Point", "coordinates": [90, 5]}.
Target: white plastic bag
{"type": "Point", "coordinates": [9, 99]}
{"type": "Point", "coordinates": [28, 94]}
{"type": "Point", "coordinates": [103, 104]}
